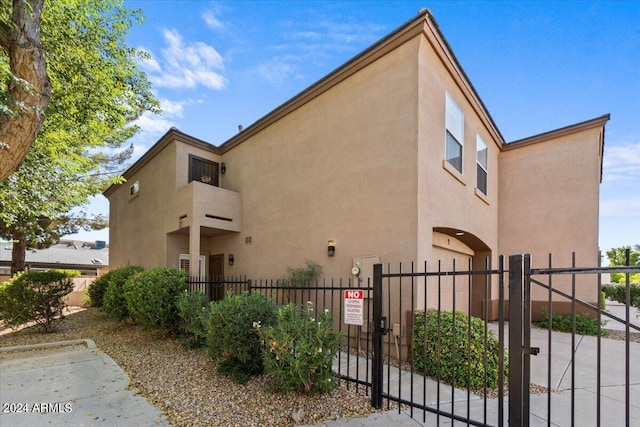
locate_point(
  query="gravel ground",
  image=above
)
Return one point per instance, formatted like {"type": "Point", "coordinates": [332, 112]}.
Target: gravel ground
{"type": "Point", "coordinates": [185, 384]}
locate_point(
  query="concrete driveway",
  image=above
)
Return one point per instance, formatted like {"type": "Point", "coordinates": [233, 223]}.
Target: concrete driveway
{"type": "Point", "coordinates": [69, 383]}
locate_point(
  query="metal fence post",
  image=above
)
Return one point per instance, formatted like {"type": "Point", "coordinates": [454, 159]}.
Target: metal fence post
{"type": "Point", "coordinates": [377, 367]}
{"type": "Point", "coordinates": [515, 341]}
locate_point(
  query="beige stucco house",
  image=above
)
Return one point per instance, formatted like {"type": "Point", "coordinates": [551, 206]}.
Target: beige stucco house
{"type": "Point", "coordinates": [392, 158]}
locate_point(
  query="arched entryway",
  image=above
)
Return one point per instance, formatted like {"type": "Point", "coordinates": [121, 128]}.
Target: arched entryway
{"type": "Point", "coordinates": [467, 250]}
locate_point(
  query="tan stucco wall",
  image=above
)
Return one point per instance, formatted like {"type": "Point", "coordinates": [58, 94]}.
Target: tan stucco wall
{"type": "Point", "coordinates": [137, 224]}
{"type": "Point", "coordinates": [549, 195]}
{"type": "Point", "coordinates": [447, 198]}
{"type": "Point", "coordinates": [341, 167]}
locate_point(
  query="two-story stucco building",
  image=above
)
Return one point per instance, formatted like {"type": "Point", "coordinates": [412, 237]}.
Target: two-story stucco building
{"type": "Point", "coordinates": [391, 158]}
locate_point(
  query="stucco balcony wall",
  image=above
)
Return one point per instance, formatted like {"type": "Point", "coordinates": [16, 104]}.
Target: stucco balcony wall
{"type": "Point", "coordinates": [216, 209]}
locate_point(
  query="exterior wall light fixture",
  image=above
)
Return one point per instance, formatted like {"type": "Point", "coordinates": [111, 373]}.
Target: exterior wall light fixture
{"type": "Point", "coordinates": [331, 248]}
{"type": "Point", "coordinates": [223, 168]}
{"type": "Point", "coordinates": [231, 259]}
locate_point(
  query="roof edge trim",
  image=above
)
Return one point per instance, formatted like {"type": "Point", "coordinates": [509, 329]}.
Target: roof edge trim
{"type": "Point", "coordinates": [173, 134]}
{"type": "Point", "coordinates": [560, 132]}
{"type": "Point", "coordinates": [396, 38]}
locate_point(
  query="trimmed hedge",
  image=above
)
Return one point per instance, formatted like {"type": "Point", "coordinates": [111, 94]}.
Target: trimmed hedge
{"type": "Point", "coordinates": [151, 297]}
{"type": "Point", "coordinates": [113, 299]}
{"type": "Point", "coordinates": [448, 351]}
{"type": "Point", "coordinates": [619, 293]}
{"type": "Point", "coordinates": [98, 288]}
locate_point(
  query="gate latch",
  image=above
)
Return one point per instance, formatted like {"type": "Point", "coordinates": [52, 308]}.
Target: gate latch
{"type": "Point", "coordinates": [533, 351]}
{"type": "Point", "coordinates": [383, 326]}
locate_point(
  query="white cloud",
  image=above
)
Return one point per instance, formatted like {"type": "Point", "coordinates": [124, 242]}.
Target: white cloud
{"type": "Point", "coordinates": [352, 32]}
{"type": "Point", "coordinates": [153, 125]}
{"type": "Point", "coordinates": [186, 65]}
{"type": "Point", "coordinates": [279, 69]}
{"type": "Point", "coordinates": [212, 21]}
{"type": "Point", "coordinates": [622, 162]}
{"type": "Point", "coordinates": [622, 207]}
{"type": "Point", "coordinates": [308, 42]}
{"type": "Point", "coordinates": [149, 64]}
{"type": "Point", "coordinates": [171, 108]}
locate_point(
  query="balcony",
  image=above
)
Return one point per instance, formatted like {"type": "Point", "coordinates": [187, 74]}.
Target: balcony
{"type": "Point", "coordinates": [215, 210]}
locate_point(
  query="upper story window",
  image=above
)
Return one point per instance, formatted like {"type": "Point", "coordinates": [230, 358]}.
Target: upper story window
{"type": "Point", "coordinates": [482, 161]}
{"type": "Point", "coordinates": [203, 170]}
{"type": "Point", "coordinates": [454, 134]}
{"type": "Point", "coordinates": [134, 189]}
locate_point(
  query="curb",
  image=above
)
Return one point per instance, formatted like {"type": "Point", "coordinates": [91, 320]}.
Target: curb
{"type": "Point", "coordinates": [87, 342]}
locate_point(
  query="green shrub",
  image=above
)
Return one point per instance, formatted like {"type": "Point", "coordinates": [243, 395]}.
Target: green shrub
{"type": "Point", "coordinates": [435, 354]}
{"type": "Point", "coordinates": [35, 296]}
{"type": "Point", "coordinates": [151, 297]}
{"type": "Point", "coordinates": [192, 316]}
{"type": "Point", "coordinates": [304, 275]}
{"type": "Point", "coordinates": [232, 340]}
{"type": "Point", "coordinates": [113, 299]}
{"type": "Point", "coordinates": [69, 273]}
{"type": "Point", "coordinates": [585, 324]}
{"type": "Point", "coordinates": [299, 351]}
{"type": "Point", "coordinates": [619, 293]}
{"type": "Point", "coordinates": [97, 289]}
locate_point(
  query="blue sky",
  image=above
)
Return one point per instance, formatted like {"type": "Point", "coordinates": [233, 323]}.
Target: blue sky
{"type": "Point", "coordinates": [536, 65]}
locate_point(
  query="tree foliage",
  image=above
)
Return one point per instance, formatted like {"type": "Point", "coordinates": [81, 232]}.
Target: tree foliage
{"type": "Point", "coordinates": [98, 91]}
{"type": "Point", "coordinates": [617, 257]}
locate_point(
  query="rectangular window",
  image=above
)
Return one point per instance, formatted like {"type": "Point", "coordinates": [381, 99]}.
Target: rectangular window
{"type": "Point", "coordinates": [203, 170]}
{"type": "Point", "coordinates": [134, 189]}
{"type": "Point", "coordinates": [454, 134]}
{"type": "Point", "coordinates": [184, 262]}
{"type": "Point", "coordinates": [482, 159]}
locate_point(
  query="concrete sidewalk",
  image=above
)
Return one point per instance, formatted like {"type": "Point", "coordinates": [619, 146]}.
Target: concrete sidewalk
{"type": "Point", "coordinates": [69, 383]}
{"type": "Point", "coordinates": [555, 370]}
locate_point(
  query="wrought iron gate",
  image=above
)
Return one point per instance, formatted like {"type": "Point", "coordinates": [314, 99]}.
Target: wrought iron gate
{"type": "Point", "coordinates": [515, 303]}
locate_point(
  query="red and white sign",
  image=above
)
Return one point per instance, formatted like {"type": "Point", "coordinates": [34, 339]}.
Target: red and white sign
{"type": "Point", "coordinates": [354, 307]}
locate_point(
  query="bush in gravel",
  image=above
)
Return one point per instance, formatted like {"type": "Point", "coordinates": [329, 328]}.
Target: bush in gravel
{"type": "Point", "coordinates": [97, 289]}
{"type": "Point", "coordinates": [232, 340]}
{"type": "Point", "coordinates": [113, 299]}
{"type": "Point", "coordinates": [151, 297]}
{"type": "Point", "coordinates": [446, 349]}
{"type": "Point", "coordinates": [299, 350]}
{"type": "Point", "coordinates": [35, 296]}
{"type": "Point", "coordinates": [192, 317]}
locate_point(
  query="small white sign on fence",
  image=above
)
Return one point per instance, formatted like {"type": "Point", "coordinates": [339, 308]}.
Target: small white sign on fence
{"type": "Point", "coordinates": [354, 307]}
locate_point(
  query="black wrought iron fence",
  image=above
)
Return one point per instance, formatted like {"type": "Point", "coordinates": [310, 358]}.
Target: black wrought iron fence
{"type": "Point", "coordinates": [216, 287]}
{"type": "Point", "coordinates": [379, 350]}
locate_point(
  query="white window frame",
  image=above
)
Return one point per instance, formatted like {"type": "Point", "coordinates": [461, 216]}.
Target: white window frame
{"type": "Point", "coordinates": [134, 189]}
{"type": "Point", "coordinates": [480, 147]}
{"type": "Point", "coordinates": [186, 259]}
{"type": "Point", "coordinates": [454, 132]}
